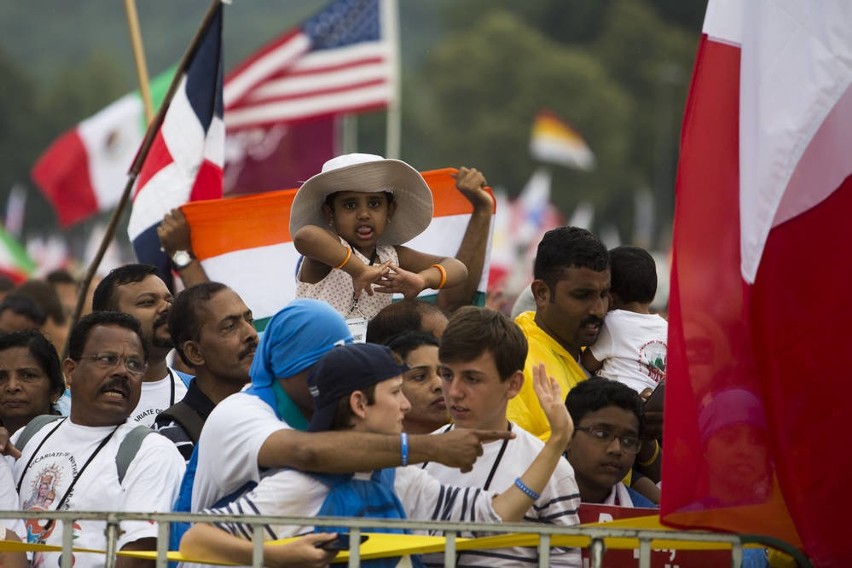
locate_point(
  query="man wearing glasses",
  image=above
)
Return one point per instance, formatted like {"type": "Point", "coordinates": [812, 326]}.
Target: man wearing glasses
{"type": "Point", "coordinates": [607, 419]}
{"type": "Point", "coordinates": [76, 463]}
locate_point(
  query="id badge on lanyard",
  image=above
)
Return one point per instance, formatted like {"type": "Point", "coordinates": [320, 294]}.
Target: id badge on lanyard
{"type": "Point", "coordinates": [358, 329]}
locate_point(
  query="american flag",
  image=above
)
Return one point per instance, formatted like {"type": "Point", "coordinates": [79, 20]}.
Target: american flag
{"type": "Point", "coordinates": [338, 61]}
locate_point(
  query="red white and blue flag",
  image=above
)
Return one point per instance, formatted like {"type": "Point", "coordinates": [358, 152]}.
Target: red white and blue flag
{"type": "Point", "coordinates": [187, 153]}
{"type": "Point", "coordinates": [338, 61]}
{"type": "Point", "coordinates": [758, 367]}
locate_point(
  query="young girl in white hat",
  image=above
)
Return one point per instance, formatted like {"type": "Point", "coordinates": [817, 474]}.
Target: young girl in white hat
{"type": "Point", "coordinates": [350, 221]}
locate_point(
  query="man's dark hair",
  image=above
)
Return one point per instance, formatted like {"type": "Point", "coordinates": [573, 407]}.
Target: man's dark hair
{"type": "Point", "coordinates": [634, 274]}
{"type": "Point", "coordinates": [105, 297]}
{"type": "Point", "coordinates": [6, 284]}
{"type": "Point", "coordinates": [596, 393]}
{"type": "Point", "coordinates": [23, 306]}
{"type": "Point", "coordinates": [42, 351]}
{"type": "Point", "coordinates": [564, 247]}
{"type": "Point", "coordinates": [185, 317]}
{"type": "Point", "coordinates": [60, 276]}
{"type": "Point", "coordinates": [80, 332]}
{"type": "Point", "coordinates": [404, 343]}
{"type": "Point", "coordinates": [398, 317]}
{"type": "Point", "coordinates": [45, 296]}
{"type": "Point", "coordinates": [472, 331]}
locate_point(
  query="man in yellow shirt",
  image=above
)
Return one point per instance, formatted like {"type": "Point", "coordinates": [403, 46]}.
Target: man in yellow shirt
{"type": "Point", "coordinates": [571, 292]}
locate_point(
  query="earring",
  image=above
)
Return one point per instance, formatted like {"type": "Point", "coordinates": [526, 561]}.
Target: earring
{"type": "Point", "coordinates": [389, 220]}
{"type": "Point", "coordinates": [331, 223]}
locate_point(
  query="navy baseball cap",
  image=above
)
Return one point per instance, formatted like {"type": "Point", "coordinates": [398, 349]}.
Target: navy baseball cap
{"type": "Point", "coordinates": [344, 370]}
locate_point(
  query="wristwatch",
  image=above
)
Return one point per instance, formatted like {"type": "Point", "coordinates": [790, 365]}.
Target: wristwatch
{"type": "Point", "coordinates": [181, 259]}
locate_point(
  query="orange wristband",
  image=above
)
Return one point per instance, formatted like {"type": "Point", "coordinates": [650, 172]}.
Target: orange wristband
{"type": "Point", "coordinates": [443, 272]}
{"type": "Point", "coordinates": [346, 259]}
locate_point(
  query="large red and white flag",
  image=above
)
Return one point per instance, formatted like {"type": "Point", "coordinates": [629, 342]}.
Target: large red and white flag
{"type": "Point", "coordinates": [757, 361]}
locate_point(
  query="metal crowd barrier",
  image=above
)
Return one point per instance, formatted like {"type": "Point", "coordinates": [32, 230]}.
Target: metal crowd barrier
{"type": "Point", "coordinates": [595, 534]}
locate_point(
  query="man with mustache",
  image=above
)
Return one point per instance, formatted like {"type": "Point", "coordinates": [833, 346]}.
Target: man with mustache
{"type": "Point", "coordinates": [571, 291]}
{"type": "Point", "coordinates": [138, 290]}
{"type": "Point", "coordinates": [213, 332]}
{"type": "Point", "coordinates": [85, 462]}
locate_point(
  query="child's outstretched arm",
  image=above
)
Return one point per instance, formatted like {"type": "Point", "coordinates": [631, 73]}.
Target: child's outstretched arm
{"type": "Point", "coordinates": [323, 251]}
{"type": "Point", "coordinates": [417, 271]}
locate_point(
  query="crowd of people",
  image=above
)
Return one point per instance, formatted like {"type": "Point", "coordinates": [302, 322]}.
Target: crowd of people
{"type": "Point", "coordinates": [348, 403]}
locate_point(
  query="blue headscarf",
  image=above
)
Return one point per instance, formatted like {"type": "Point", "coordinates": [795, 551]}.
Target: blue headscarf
{"type": "Point", "coordinates": [296, 338]}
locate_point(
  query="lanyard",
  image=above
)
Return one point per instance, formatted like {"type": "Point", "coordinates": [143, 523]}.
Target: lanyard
{"type": "Point", "coordinates": [354, 307]}
{"type": "Point", "coordinates": [79, 473]}
{"type": "Point", "coordinates": [497, 460]}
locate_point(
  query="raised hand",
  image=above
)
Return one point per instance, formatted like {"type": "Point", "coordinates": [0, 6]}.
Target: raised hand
{"type": "Point", "coordinates": [553, 404]}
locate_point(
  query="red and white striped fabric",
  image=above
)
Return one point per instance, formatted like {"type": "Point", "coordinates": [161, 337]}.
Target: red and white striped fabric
{"type": "Point", "coordinates": [338, 61]}
{"type": "Point", "coordinates": [760, 304]}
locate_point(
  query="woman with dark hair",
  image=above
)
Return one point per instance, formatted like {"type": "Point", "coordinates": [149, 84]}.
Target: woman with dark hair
{"type": "Point", "coordinates": [30, 378]}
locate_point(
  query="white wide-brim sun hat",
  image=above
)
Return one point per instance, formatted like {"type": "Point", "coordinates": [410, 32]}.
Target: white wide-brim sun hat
{"type": "Point", "coordinates": [367, 173]}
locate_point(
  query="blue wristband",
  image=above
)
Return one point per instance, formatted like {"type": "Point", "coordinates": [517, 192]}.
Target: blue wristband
{"type": "Point", "coordinates": [530, 493]}
{"type": "Point", "coordinates": [403, 448]}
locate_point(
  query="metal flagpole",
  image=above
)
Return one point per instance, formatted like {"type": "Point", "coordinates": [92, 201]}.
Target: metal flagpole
{"type": "Point", "coordinates": [390, 29]}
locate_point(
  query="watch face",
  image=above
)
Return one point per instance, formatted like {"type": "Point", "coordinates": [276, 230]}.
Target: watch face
{"type": "Point", "coordinates": [181, 258]}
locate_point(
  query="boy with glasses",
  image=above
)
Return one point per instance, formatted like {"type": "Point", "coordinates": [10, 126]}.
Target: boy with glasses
{"type": "Point", "coordinates": [607, 419]}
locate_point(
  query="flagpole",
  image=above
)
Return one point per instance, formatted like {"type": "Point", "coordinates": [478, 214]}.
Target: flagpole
{"type": "Point", "coordinates": [390, 25]}
{"type": "Point", "coordinates": [136, 167]}
{"type": "Point", "coordinates": [139, 56]}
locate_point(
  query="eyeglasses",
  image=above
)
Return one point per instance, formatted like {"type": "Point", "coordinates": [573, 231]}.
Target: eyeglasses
{"type": "Point", "coordinates": [630, 444]}
{"type": "Point", "coordinates": [134, 365]}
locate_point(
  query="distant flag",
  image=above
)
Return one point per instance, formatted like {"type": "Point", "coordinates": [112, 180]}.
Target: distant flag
{"type": "Point", "coordinates": [84, 171]}
{"type": "Point", "coordinates": [48, 253]}
{"type": "Point", "coordinates": [532, 206]}
{"type": "Point", "coordinates": [553, 141]}
{"type": "Point", "coordinates": [16, 205]}
{"type": "Point", "coordinates": [338, 61]}
{"type": "Point", "coordinates": [15, 263]}
{"type": "Point", "coordinates": [583, 215]}
{"type": "Point", "coordinates": [245, 242]}
{"type": "Point", "coordinates": [185, 159]}
{"type": "Point", "coordinates": [758, 337]}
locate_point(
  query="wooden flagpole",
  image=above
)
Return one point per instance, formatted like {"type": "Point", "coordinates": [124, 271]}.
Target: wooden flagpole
{"type": "Point", "coordinates": [136, 167]}
{"type": "Point", "coordinates": [139, 56]}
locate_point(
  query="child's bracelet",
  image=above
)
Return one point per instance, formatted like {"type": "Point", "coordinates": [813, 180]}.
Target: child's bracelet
{"type": "Point", "coordinates": [346, 259]}
{"type": "Point", "coordinates": [529, 492]}
{"type": "Point", "coordinates": [653, 458]}
{"type": "Point", "coordinates": [443, 272]}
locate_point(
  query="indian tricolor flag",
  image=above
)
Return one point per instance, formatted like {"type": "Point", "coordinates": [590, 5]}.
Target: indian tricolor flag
{"type": "Point", "coordinates": [245, 242]}
{"type": "Point", "coordinates": [553, 141]}
{"type": "Point", "coordinates": [758, 366]}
